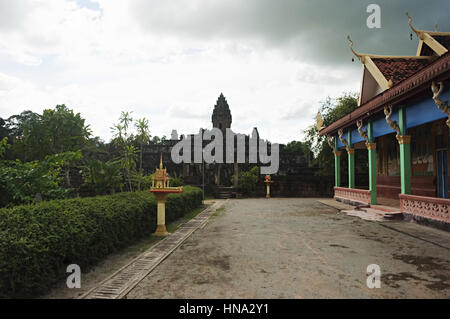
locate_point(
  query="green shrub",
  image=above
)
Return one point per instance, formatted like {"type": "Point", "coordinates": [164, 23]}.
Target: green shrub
{"type": "Point", "coordinates": [37, 242]}
{"type": "Point", "coordinates": [102, 177]}
{"type": "Point", "coordinates": [22, 181]}
{"type": "Point", "coordinates": [247, 181]}
{"type": "Point", "coordinates": [176, 180]}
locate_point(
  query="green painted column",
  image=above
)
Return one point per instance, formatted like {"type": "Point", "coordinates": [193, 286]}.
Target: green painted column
{"type": "Point", "coordinates": [372, 154]}
{"type": "Point", "coordinates": [351, 161]}
{"type": "Point", "coordinates": [405, 153]}
{"type": "Point", "coordinates": [337, 164]}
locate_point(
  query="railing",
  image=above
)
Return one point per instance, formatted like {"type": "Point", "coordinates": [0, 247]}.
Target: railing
{"type": "Point", "coordinates": [353, 194]}
{"type": "Point", "coordinates": [429, 207]}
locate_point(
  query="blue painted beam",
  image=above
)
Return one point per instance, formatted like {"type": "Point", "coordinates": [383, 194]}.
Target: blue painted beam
{"type": "Point", "coordinates": [418, 112]}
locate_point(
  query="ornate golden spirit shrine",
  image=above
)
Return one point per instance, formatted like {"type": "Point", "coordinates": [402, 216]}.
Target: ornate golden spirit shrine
{"type": "Point", "coordinates": [268, 181]}
{"type": "Point", "coordinates": [160, 187]}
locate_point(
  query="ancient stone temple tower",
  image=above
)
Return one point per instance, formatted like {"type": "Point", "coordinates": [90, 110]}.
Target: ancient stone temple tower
{"type": "Point", "coordinates": [221, 117]}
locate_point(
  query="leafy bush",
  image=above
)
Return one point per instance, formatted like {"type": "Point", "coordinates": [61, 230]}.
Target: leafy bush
{"type": "Point", "coordinates": [176, 180]}
{"type": "Point", "coordinates": [37, 242]}
{"type": "Point", "coordinates": [22, 181]}
{"type": "Point", "coordinates": [102, 177]}
{"type": "Point", "coordinates": [144, 180]}
{"type": "Point", "coordinates": [247, 181]}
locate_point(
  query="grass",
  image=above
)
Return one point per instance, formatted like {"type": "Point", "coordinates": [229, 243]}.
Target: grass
{"type": "Point", "coordinates": [147, 242]}
{"type": "Point", "coordinates": [219, 212]}
{"type": "Point", "coordinates": [176, 224]}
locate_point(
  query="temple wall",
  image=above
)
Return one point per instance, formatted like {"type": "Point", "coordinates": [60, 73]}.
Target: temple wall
{"type": "Point", "coordinates": [426, 139]}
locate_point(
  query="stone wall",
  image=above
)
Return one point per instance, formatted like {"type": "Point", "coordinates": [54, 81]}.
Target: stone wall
{"type": "Point", "coordinates": [299, 185]}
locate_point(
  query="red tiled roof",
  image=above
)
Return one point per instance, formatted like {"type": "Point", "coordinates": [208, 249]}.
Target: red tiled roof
{"type": "Point", "coordinates": [399, 69]}
{"type": "Point", "coordinates": [438, 70]}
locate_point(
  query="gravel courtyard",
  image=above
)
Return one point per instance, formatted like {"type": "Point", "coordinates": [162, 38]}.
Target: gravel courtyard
{"type": "Point", "coordinates": [300, 248]}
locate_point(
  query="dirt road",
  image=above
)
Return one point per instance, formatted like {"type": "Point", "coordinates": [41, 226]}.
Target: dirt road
{"type": "Point", "coordinates": [300, 248]}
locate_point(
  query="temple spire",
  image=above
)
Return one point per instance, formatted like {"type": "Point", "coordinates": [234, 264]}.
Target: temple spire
{"type": "Point", "coordinates": [160, 162]}
{"type": "Point", "coordinates": [221, 117]}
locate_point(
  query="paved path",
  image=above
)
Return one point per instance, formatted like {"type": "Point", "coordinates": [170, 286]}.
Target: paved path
{"type": "Point", "coordinates": [118, 284]}
{"type": "Point", "coordinates": [300, 248]}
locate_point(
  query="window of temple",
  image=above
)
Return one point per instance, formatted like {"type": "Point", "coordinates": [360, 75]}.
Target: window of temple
{"type": "Point", "coordinates": [393, 156]}
{"type": "Point", "coordinates": [422, 157]}
{"type": "Point", "coordinates": [388, 156]}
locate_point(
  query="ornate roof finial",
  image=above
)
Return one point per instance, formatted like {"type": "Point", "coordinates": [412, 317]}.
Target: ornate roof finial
{"type": "Point", "coordinates": [411, 26]}
{"type": "Point", "coordinates": [319, 121]}
{"type": "Point", "coordinates": [435, 26]}
{"type": "Point", "coordinates": [359, 56]}
{"type": "Point", "coordinates": [160, 162]}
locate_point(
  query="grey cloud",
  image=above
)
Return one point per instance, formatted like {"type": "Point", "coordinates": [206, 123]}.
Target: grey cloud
{"type": "Point", "coordinates": [13, 13]}
{"type": "Point", "coordinates": [308, 30]}
{"type": "Point", "coordinates": [298, 110]}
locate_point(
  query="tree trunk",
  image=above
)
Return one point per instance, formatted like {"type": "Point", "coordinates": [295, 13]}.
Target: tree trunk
{"type": "Point", "coordinates": [68, 176]}
{"type": "Point", "coordinates": [140, 171]}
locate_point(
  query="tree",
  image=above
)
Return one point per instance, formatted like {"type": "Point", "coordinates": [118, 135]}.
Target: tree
{"type": "Point", "coordinates": [26, 136]}
{"type": "Point", "coordinates": [23, 182]}
{"type": "Point", "coordinates": [331, 111]}
{"type": "Point", "coordinates": [3, 146]}
{"type": "Point", "coordinates": [4, 130]}
{"type": "Point", "coordinates": [64, 130]}
{"type": "Point", "coordinates": [157, 140]}
{"type": "Point", "coordinates": [142, 137]}
{"type": "Point", "coordinates": [102, 176]}
{"type": "Point", "coordinates": [248, 180]}
{"type": "Point", "coordinates": [57, 130]}
{"type": "Point", "coordinates": [303, 149]}
{"type": "Point", "coordinates": [128, 153]}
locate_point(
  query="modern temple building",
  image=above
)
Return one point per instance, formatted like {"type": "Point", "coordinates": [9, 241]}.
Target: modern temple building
{"type": "Point", "coordinates": [403, 123]}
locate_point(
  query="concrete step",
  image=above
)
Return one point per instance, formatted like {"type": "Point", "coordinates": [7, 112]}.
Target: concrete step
{"type": "Point", "coordinates": [223, 195]}
{"type": "Point", "coordinates": [224, 192]}
{"type": "Point", "coordinates": [393, 215]}
{"type": "Point", "coordinates": [388, 215]}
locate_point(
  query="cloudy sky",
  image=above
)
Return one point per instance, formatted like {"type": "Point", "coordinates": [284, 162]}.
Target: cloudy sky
{"type": "Point", "coordinates": [274, 60]}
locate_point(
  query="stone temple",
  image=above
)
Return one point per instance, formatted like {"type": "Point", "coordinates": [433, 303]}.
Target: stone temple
{"type": "Point", "coordinates": [221, 179]}
{"type": "Point", "coordinates": [221, 117]}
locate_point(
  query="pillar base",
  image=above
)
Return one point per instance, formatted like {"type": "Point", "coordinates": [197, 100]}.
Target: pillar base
{"type": "Point", "coordinates": [161, 231]}
{"type": "Point", "coordinates": [267, 195]}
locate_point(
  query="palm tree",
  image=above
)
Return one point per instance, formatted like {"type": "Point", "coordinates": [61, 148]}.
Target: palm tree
{"type": "Point", "coordinates": [128, 163]}
{"type": "Point", "coordinates": [125, 119]}
{"type": "Point", "coordinates": [142, 137]}
{"type": "Point", "coordinates": [103, 176]}
{"type": "Point", "coordinates": [127, 158]}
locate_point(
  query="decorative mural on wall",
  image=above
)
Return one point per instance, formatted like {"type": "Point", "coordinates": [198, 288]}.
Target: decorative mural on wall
{"type": "Point", "coordinates": [393, 159]}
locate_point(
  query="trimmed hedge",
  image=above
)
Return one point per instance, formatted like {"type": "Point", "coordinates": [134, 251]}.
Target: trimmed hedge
{"type": "Point", "coordinates": [38, 242]}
